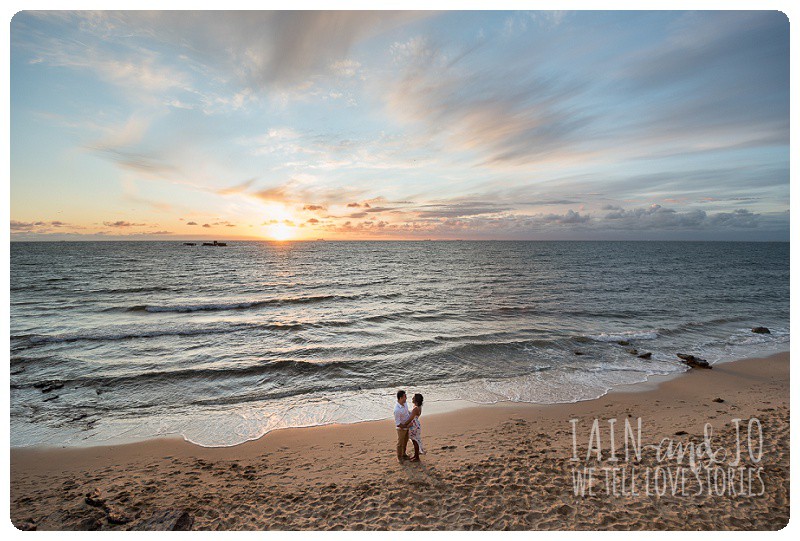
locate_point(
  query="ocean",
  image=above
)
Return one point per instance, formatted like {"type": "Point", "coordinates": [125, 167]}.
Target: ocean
{"type": "Point", "coordinates": [220, 345]}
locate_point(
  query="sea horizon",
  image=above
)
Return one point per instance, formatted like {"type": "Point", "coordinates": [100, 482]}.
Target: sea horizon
{"type": "Point", "coordinates": [289, 241]}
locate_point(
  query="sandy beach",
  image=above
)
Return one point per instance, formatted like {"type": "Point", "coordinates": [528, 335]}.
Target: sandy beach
{"type": "Point", "coordinates": [494, 467]}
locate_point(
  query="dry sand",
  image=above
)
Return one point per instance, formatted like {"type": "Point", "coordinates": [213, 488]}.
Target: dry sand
{"type": "Point", "coordinates": [497, 467]}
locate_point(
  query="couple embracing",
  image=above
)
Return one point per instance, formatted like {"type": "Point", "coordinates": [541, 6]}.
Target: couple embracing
{"type": "Point", "coordinates": [407, 424]}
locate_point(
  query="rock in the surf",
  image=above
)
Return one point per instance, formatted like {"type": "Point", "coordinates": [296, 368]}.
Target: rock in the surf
{"type": "Point", "coordinates": [693, 362]}
{"type": "Point", "coordinates": [761, 330]}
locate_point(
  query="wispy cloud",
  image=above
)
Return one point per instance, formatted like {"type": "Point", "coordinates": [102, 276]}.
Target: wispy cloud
{"type": "Point", "coordinates": [529, 116]}
{"type": "Point", "coordinates": [122, 223]}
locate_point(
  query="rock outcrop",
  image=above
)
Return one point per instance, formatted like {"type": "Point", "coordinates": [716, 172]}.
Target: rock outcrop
{"type": "Point", "coordinates": [693, 362]}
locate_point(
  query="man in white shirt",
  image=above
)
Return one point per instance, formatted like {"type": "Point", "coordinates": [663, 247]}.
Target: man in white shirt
{"type": "Point", "coordinates": [401, 415]}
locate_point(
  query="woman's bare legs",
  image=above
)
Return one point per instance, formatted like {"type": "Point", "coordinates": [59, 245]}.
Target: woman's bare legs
{"type": "Point", "coordinates": [416, 451]}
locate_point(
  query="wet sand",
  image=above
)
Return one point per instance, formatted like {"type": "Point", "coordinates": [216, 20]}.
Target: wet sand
{"type": "Point", "coordinates": [493, 467]}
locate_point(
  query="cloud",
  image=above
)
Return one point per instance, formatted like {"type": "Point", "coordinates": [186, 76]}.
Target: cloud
{"type": "Point", "coordinates": [459, 209]}
{"type": "Point", "coordinates": [313, 207]}
{"type": "Point", "coordinates": [654, 220]}
{"type": "Point", "coordinates": [739, 218]}
{"type": "Point", "coordinates": [206, 225]}
{"type": "Point", "coordinates": [128, 134]}
{"type": "Point", "coordinates": [661, 218]}
{"type": "Point", "coordinates": [40, 226]}
{"type": "Point", "coordinates": [122, 223]}
{"type": "Point", "coordinates": [191, 223]}
{"type": "Point", "coordinates": [571, 217]}
{"type": "Point", "coordinates": [16, 225]}
{"type": "Point", "coordinates": [137, 70]}
{"type": "Point", "coordinates": [305, 188]}
{"type": "Point", "coordinates": [506, 116]}
{"type": "Point", "coordinates": [345, 68]}
{"type": "Point", "coordinates": [720, 80]}
{"type": "Point", "coordinates": [143, 164]}
{"type": "Point", "coordinates": [261, 49]}
{"type": "Point", "coordinates": [238, 188]}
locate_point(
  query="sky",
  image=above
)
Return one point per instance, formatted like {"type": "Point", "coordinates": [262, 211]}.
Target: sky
{"type": "Point", "coordinates": [400, 125]}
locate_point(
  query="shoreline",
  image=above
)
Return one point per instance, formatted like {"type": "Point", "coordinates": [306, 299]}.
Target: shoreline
{"type": "Point", "coordinates": [488, 467]}
{"type": "Point", "coordinates": [436, 408]}
{"type": "Point", "coordinates": [651, 383]}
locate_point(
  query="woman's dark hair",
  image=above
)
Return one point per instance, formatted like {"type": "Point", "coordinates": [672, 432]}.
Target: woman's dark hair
{"type": "Point", "coordinates": [417, 400]}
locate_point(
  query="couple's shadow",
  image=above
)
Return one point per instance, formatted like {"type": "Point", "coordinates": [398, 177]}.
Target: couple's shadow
{"type": "Point", "coordinates": [422, 472]}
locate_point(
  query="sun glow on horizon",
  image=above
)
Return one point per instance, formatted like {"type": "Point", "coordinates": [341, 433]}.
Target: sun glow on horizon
{"type": "Point", "coordinates": [281, 231]}
{"type": "Point", "coordinates": [281, 226]}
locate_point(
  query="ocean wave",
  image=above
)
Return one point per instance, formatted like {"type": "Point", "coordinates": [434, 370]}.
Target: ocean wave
{"type": "Point", "coordinates": [114, 335]}
{"type": "Point", "coordinates": [274, 369]}
{"type": "Point", "coordinates": [141, 289]}
{"type": "Point", "coordinates": [692, 325]}
{"type": "Point", "coordinates": [745, 337]}
{"type": "Point", "coordinates": [241, 305]}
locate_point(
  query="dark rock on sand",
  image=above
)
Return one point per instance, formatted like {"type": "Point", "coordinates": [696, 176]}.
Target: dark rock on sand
{"type": "Point", "coordinates": [624, 343]}
{"type": "Point", "coordinates": [576, 352]}
{"type": "Point", "coordinates": [645, 355]}
{"type": "Point", "coordinates": [761, 330]}
{"type": "Point", "coordinates": [95, 499]}
{"type": "Point", "coordinates": [693, 362]}
{"type": "Point", "coordinates": [67, 517]}
{"type": "Point", "coordinates": [115, 516]}
{"type": "Point", "coordinates": [47, 386]}
{"type": "Point", "coordinates": [718, 400]}
{"type": "Point", "coordinates": [69, 484]}
{"type": "Point", "coordinates": [167, 520]}
{"type": "Point", "coordinates": [90, 524]}
{"type": "Point", "coordinates": [681, 433]}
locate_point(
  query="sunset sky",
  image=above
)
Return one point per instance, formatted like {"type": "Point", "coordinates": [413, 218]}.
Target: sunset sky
{"type": "Point", "coordinates": [381, 125]}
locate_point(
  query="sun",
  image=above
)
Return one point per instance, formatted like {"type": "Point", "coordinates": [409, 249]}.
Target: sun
{"type": "Point", "coordinates": [282, 224]}
{"type": "Point", "coordinates": [280, 231]}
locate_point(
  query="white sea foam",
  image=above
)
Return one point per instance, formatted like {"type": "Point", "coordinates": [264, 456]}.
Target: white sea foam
{"type": "Point", "coordinates": [624, 335]}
